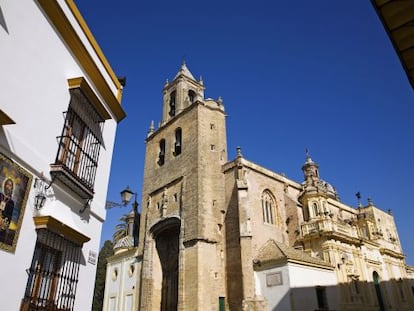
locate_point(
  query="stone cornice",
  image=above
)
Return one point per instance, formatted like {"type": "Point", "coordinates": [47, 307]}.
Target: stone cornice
{"type": "Point", "coordinates": [389, 252]}
{"type": "Point", "coordinates": [261, 170]}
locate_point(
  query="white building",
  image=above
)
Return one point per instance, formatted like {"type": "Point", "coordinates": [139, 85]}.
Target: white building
{"type": "Point", "coordinates": [122, 272]}
{"type": "Point", "coordinates": [59, 109]}
{"type": "Point", "coordinates": [287, 279]}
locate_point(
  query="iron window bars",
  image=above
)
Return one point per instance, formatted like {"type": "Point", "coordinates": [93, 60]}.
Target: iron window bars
{"type": "Point", "coordinates": [53, 273]}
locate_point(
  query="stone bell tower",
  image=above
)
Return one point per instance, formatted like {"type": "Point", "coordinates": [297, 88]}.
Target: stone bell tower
{"type": "Point", "coordinates": [181, 243]}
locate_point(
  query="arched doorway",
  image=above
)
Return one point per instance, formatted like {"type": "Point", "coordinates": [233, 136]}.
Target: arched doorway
{"type": "Point", "coordinates": [376, 279]}
{"type": "Point", "coordinates": [166, 236]}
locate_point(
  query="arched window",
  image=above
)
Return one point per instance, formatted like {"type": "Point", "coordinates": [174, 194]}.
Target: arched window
{"type": "Point", "coordinates": [191, 96]}
{"type": "Point", "coordinates": [172, 104]}
{"type": "Point", "coordinates": [161, 154]}
{"type": "Point", "coordinates": [315, 209]}
{"type": "Point", "coordinates": [270, 215]}
{"type": "Point", "coordinates": [178, 142]}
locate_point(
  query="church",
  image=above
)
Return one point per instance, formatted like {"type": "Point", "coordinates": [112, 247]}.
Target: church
{"type": "Point", "coordinates": [220, 234]}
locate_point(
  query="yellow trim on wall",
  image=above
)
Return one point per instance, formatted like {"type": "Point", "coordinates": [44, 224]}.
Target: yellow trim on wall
{"type": "Point", "coordinates": [82, 23]}
{"type": "Point", "coordinates": [56, 226]}
{"type": "Point", "coordinates": [119, 95]}
{"type": "Point", "coordinates": [90, 94]}
{"type": "Point", "coordinates": [63, 26]}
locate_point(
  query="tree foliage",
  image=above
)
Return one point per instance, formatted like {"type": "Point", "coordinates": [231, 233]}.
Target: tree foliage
{"type": "Point", "coordinates": [121, 229]}
{"type": "Point", "coordinates": [106, 251]}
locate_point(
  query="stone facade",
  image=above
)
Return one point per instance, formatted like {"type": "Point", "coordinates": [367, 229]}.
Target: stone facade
{"type": "Point", "coordinates": [232, 235]}
{"type": "Point", "coordinates": [183, 191]}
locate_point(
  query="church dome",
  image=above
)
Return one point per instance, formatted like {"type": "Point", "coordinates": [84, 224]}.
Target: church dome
{"type": "Point", "coordinates": [125, 242]}
{"type": "Point", "coordinates": [327, 188]}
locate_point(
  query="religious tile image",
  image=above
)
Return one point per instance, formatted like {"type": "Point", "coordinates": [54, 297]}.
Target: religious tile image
{"type": "Point", "coordinates": [15, 185]}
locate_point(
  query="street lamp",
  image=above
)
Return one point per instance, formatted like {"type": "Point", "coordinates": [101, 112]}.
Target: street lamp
{"type": "Point", "coordinates": [126, 196]}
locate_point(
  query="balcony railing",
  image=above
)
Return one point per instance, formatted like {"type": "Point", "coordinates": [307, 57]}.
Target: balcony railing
{"type": "Point", "coordinates": [328, 225]}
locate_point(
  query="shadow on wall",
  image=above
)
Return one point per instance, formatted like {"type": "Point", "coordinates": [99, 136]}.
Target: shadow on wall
{"type": "Point", "coordinates": [3, 21]}
{"type": "Point", "coordinates": [3, 139]}
{"type": "Point", "coordinates": [355, 295]}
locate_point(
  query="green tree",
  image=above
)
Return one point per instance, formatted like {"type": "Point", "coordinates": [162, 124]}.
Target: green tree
{"type": "Point", "coordinates": [106, 251]}
{"type": "Point", "coordinates": [121, 229]}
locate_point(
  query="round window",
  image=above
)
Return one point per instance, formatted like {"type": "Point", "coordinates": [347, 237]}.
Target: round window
{"type": "Point", "coordinates": [114, 274]}
{"type": "Point", "coordinates": [131, 270]}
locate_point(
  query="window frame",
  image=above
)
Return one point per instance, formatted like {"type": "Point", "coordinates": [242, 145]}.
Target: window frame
{"type": "Point", "coordinates": [269, 208]}
{"type": "Point", "coordinates": [79, 144]}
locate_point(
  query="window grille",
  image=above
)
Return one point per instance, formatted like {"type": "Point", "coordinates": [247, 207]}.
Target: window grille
{"type": "Point", "coordinates": [53, 274]}
{"type": "Point", "coordinates": [81, 139]}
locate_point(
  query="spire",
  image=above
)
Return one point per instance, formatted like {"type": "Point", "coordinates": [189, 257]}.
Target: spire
{"type": "Point", "coordinates": [310, 169]}
{"type": "Point", "coordinates": [183, 91]}
{"type": "Point", "coordinates": [151, 129]}
{"type": "Point", "coordinates": [308, 157]}
{"type": "Point", "coordinates": [184, 72]}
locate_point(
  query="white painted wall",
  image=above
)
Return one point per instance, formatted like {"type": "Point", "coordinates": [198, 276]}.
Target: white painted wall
{"type": "Point", "coordinates": [304, 279]}
{"type": "Point", "coordinates": [35, 66]}
{"type": "Point", "coordinates": [121, 291]}
{"type": "Point", "coordinates": [297, 290]}
{"type": "Point", "coordinates": [277, 297]}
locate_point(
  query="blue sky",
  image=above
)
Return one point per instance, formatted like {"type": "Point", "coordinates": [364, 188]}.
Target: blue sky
{"type": "Point", "coordinates": [321, 75]}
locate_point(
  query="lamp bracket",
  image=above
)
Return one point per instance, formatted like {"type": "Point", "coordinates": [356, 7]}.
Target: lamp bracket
{"type": "Point", "coordinates": [42, 184]}
{"type": "Point", "coordinates": [111, 204]}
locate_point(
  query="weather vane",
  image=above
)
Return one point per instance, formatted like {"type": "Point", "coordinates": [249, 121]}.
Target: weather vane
{"type": "Point", "coordinates": [307, 153]}
{"type": "Point", "coordinates": [358, 195]}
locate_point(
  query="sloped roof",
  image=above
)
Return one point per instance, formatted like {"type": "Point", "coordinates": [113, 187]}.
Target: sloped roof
{"type": "Point", "coordinates": [185, 72]}
{"type": "Point", "coordinates": [274, 252]}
